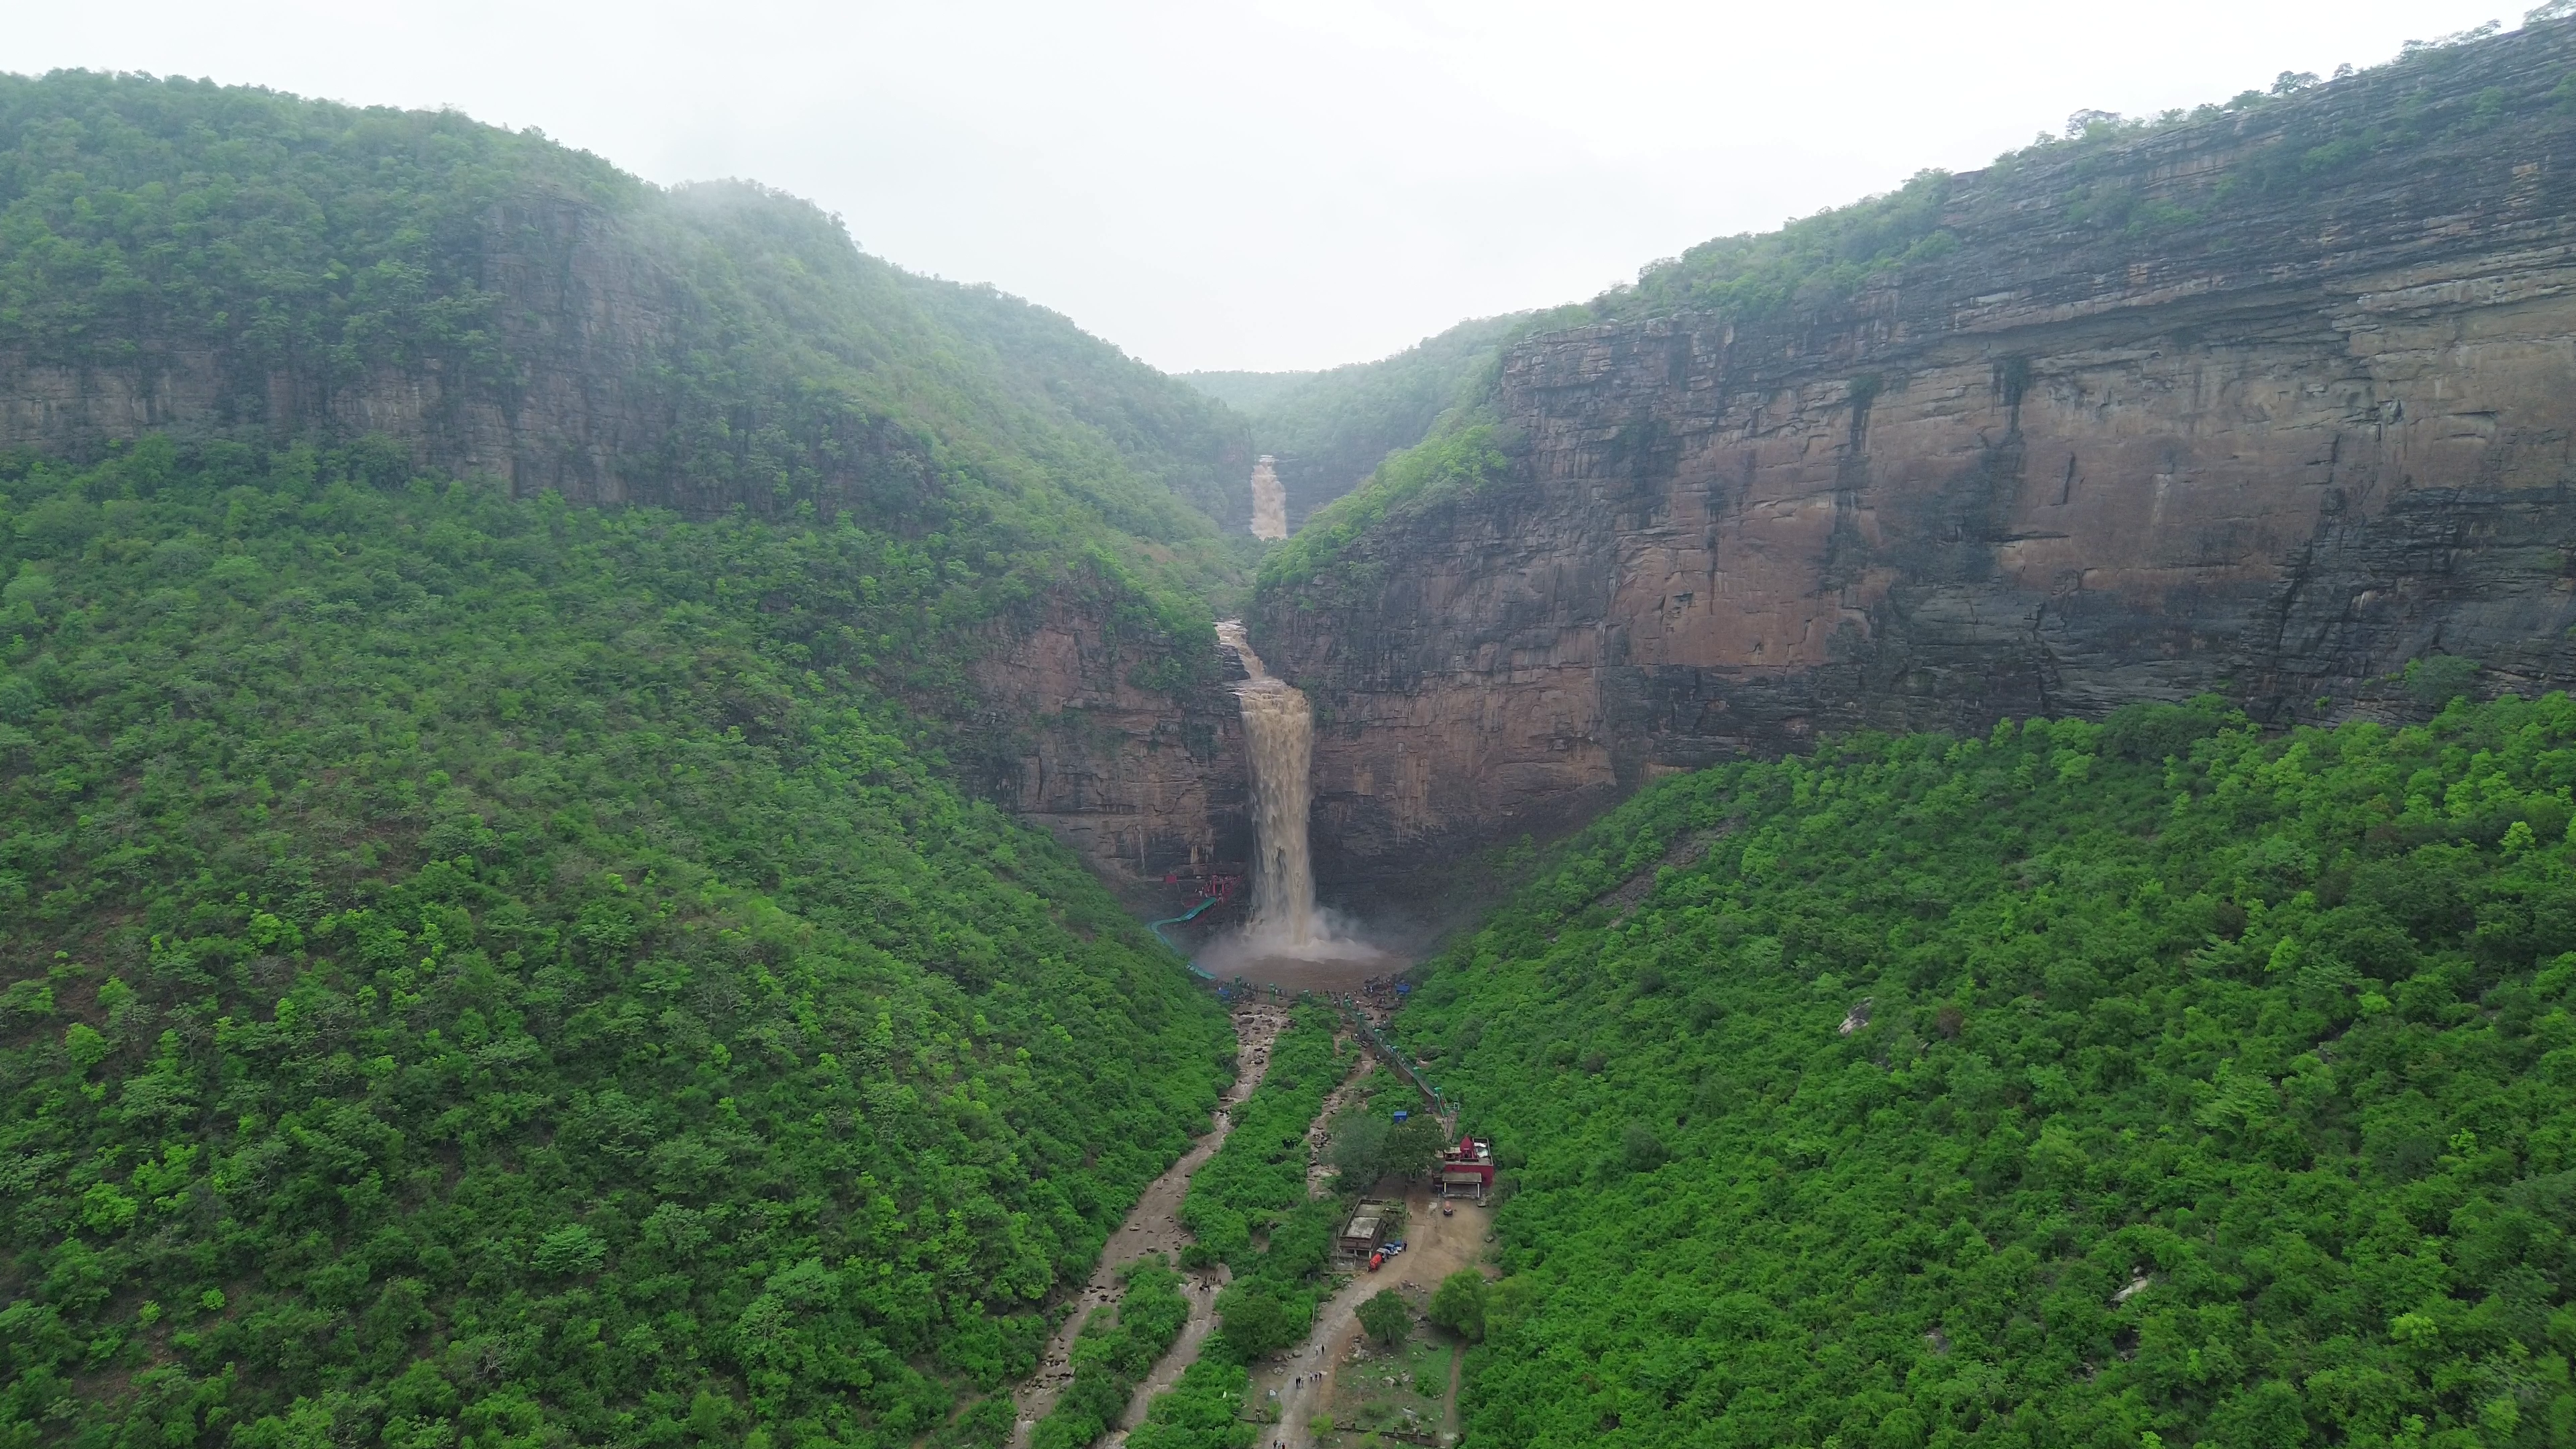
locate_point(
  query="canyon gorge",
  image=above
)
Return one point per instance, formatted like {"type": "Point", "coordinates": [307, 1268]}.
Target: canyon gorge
{"type": "Point", "coordinates": [1944, 828]}
{"type": "Point", "coordinates": [2259, 403]}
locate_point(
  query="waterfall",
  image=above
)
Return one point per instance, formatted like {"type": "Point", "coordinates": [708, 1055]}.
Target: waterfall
{"type": "Point", "coordinates": [1280, 727]}
{"type": "Point", "coordinates": [1269, 507]}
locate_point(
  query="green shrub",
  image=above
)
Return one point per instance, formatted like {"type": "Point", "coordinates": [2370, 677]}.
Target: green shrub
{"type": "Point", "coordinates": [1259, 1173]}
{"type": "Point", "coordinates": [2151, 733]}
{"type": "Point", "coordinates": [1386, 1317]}
{"type": "Point", "coordinates": [1114, 1352]}
{"type": "Point", "coordinates": [1256, 1324]}
{"type": "Point", "coordinates": [1459, 1303]}
{"type": "Point", "coordinates": [1203, 1411]}
{"type": "Point", "coordinates": [2436, 679]}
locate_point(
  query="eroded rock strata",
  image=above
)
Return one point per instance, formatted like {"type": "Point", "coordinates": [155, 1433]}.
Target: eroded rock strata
{"type": "Point", "coordinates": [2267, 404]}
{"type": "Point", "coordinates": [1140, 781]}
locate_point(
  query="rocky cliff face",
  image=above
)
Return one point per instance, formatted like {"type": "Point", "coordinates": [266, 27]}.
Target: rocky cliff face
{"type": "Point", "coordinates": [586, 315]}
{"type": "Point", "coordinates": [1140, 781]}
{"type": "Point", "coordinates": [2266, 404]}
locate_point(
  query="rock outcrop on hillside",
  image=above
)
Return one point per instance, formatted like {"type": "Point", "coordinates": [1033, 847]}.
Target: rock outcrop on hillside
{"type": "Point", "coordinates": [587, 320]}
{"type": "Point", "coordinates": [2267, 404]}
{"type": "Point", "coordinates": [715, 348]}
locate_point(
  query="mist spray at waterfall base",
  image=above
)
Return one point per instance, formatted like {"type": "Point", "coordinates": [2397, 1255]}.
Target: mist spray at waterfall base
{"type": "Point", "coordinates": [1287, 930]}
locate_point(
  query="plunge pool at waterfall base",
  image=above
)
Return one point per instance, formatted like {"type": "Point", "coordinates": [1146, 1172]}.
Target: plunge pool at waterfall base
{"type": "Point", "coordinates": [1334, 965]}
{"type": "Point", "coordinates": [1291, 944]}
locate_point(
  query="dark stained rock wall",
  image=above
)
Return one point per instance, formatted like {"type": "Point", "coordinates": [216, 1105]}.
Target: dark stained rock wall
{"type": "Point", "coordinates": [1139, 781]}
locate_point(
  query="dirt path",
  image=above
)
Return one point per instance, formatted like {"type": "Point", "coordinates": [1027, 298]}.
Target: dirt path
{"type": "Point", "coordinates": [1449, 1404]}
{"type": "Point", "coordinates": [1203, 1307]}
{"type": "Point", "coordinates": [1154, 1227]}
{"type": "Point", "coordinates": [1319, 1173]}
{"type": "Point", "coordinates": [1434, 1247]}
{"type": "Point", "coordinates": [1176, 1362]}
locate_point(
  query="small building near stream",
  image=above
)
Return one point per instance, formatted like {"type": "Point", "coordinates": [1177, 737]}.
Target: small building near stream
{"type": "Point", "coordinates": [1364, 1234]}
{"type": "Point", "coordinates": [1466, 1170]}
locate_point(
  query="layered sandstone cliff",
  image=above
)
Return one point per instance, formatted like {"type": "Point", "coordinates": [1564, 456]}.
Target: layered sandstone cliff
{"type": "Point", "coordinates": [2266, 404]}
{"type": "Point", "coordinates": [1143, 782]}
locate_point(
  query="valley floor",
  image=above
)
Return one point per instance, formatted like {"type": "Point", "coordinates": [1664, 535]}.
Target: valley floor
{"type": "Point", "coordinates": [1319, 1375]}
{"type": "Point", "coordinates": [1334, 1371]}
{"type": "Point", "coordinates": [1153, 1227]}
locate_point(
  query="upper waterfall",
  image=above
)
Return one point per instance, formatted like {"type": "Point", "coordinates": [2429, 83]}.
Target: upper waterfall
{"type": "Point", "coordinates": [1269, 505]}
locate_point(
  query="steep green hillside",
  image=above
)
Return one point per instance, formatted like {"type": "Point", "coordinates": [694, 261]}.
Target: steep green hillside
{"type": "Point", "coordinates": [1331, 429]}
{"type": "Point", "coordinates": [274, 267]}
{"type": "Point", "coordinates": [484, 971]}
{"type": "Point", "coordinates": [2149, 1083]}
{"type": "Point", "coordinates": [1466, 454]}
{"type": "Point", "coordinates": [1164, 430]}
{"type": "Point", "coordinates": [1247, 392]}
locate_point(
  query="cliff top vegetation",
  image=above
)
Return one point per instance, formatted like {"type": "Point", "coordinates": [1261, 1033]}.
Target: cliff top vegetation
{"type": "Point", "coordinates": [2108, 192]}
{"type": "Point", "coordinates": [1335, 426]}
{"type": "Point", "coordinates": [760, 360]}
{"type": "Point", "coordinates": [2299, 132]}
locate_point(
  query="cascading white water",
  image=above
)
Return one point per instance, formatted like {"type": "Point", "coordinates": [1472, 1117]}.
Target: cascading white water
{"type": "Point", "coordinates": [1269, 500]}
{"type": "Point", "coordinates": [1280, 727]}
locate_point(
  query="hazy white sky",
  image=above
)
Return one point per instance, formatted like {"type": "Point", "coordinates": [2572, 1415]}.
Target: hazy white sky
{"type": "Point", "coordinates": [1273, 183]}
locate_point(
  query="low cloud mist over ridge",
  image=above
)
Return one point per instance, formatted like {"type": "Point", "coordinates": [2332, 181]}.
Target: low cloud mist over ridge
{"type": "Point", "coordinates": [1268, 185]}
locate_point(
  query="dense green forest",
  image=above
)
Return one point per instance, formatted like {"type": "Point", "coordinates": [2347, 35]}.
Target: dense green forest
{"type": "Point", "coordinates": [2151, 1082]}
{"type": "Point", "coordinates": [757, 357]}
{"type": "Point", "coordinates": [477, 972]}
{"type": "Point", "coordinates": [482, 971]}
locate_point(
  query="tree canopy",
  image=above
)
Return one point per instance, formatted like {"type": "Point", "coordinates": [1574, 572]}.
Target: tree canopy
{"type": "Point", "coordinates": [1385, 1316]}
{"type": "Point", "coordinates": [486, 969]}
{"type": "Point", "coordinates": [2157, 1082]}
